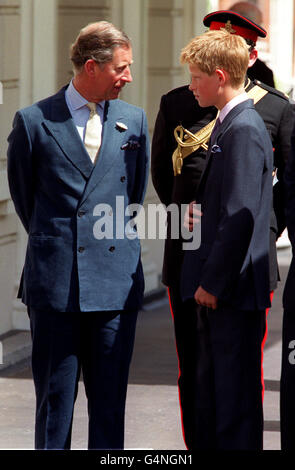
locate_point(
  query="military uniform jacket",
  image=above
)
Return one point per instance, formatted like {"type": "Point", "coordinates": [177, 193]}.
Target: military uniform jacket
{"type": "Point", "coordinates": [180, 107]}
{"type": "Point", "coordinates": [56, 188]}
{"type": "Point", "coordinates": [289, 178]}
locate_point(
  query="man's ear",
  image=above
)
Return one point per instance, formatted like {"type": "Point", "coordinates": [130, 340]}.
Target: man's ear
{"type": "Point", "coordinates": [89, 67]}
{"type": "Point", "coordinates": [253, 56]}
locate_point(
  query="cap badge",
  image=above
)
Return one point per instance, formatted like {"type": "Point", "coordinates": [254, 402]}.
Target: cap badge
{"type": "Point", "coordinates": [228, 27]}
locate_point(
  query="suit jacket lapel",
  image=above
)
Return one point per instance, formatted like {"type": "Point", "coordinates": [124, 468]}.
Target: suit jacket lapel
{"type": "Point", "coordinates": [112, 139]}
{"type": "Point", "coordinates": [233, 113]}
{"type": "Point", "coordinates": [61, 126]}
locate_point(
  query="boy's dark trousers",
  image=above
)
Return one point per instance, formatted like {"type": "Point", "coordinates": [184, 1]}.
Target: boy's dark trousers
{"type": "Point", "coordinates": [220, 382]}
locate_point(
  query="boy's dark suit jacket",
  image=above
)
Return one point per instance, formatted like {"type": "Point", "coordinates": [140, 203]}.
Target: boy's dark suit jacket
{"type": "Point", "coordinates": [235, 193]}
{"type": "Point", "coordinates": [55, 189]}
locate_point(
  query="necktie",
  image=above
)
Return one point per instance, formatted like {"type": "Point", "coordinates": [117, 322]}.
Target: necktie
{"type": "Point", "coordinates": [215, 129]}
{"type": "Point", "coordinates": [92, 138]}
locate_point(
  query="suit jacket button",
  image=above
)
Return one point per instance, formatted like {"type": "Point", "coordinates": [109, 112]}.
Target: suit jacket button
{"type": "Point", "coordinates": [81, 249]}
{"type": "Point", "coordinates": [81, 213]}
{"type": "Point", "coordinates": [112, 248]}
{"type": "Point", "coordinates": [122, 179]}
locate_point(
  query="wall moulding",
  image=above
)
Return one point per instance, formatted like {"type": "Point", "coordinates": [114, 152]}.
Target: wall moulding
{"type": "Point", "coordinates": [7, 239]}
{"type": "Point", "coordinates": [3, 163]}
{"type": "Point", "coordinates": [166, 12]}
{"type": "Point", "coordinates": [4, 189]}
{"type": "Point", "coordinates": [10, 83]}
{"type": "Point", "coordinates": [165, 71]}
{"type": "Point", "coordinates": [72, 10]}
{"type": "Point", "coordinates": [7, 208]}
{"type": "Point", "coordinates": [8, 10]}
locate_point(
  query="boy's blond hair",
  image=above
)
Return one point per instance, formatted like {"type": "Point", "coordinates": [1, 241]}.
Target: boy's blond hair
{"type": "Point", "coordinates": [219, 50]}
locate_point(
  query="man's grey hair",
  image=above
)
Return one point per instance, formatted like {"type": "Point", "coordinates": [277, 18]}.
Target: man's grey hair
{"type": "Point", "coordinates": [97, 41]}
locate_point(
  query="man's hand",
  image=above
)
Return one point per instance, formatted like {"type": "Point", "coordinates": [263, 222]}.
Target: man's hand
{"type": "Point", "coordinates": [192, 216]}
{"type": "Point", "coordinates": [204, 298]}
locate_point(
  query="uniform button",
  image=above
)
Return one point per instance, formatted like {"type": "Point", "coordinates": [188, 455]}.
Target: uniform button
{"type": "Point", "coordinates": [81, 213]}
{"type": "Point", "coordinates": [81, 249]}
{"type": "Point", "coordinates": [112, 248]}
{"type": "Point", "coordinates": [122, 179]}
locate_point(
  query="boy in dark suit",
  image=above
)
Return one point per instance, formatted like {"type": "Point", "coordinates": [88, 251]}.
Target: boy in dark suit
{"type": "Point", "coordinates": [225, 283]}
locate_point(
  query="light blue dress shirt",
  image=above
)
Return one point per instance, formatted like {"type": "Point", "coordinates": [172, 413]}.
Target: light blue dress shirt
{"type": "Point", "coordinates": [78, 108]}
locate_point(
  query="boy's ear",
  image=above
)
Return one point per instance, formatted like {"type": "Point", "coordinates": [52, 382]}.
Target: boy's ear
{"type": "Point", "coordinates": [222, 75]}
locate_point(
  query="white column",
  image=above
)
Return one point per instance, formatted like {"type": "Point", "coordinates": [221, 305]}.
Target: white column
{"type": "Point", "coordinates": [26, 53]}
{"type": "Point", "coordinates": [131, 16]}
{"type": "Point", "coordinates": [37, 80]}
{"type": "Point", "coordinates": [44, 48]}
{"type": "Point", "coordinates": [19, 315]}
{"type": "Point", "coordinates": [135, 24]}
{"type": "Point", "coordinates": [281, 42]}
{"type": "Point", "coordinates": [200, 9]}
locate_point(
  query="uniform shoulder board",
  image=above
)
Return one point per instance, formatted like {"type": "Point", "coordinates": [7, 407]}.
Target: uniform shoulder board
{"type": "Point", "coordinates": [274, 91]}
{"type": "Point", "coordinates": [179, 90]}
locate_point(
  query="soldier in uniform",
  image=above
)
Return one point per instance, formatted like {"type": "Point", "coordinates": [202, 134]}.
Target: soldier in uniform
{"type": "Point", "coordinates": [287, 385]}
{"type": "Point", "coordinates": [259, 70]}
{"type": "Point", "coordinates": [176, 172]}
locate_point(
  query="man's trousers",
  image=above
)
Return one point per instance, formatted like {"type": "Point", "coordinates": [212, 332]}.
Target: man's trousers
{"type": "Point", "coordinates": [98, 343]}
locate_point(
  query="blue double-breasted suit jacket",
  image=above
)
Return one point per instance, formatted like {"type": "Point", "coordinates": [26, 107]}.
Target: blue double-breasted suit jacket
{"type": "Point", "coordinates": [55, 188]}
{"type": "Point", "coordinates": [235, 194]}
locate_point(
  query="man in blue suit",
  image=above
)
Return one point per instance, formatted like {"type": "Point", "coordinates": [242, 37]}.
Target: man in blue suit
{"type": "Point", "coordinates": [225, 283]}
{"type": "Point", "coordinates": [69, 154]}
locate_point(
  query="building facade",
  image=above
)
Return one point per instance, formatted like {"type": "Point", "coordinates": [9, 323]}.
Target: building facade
{"type": "Point", "coordinates": [35, 36]}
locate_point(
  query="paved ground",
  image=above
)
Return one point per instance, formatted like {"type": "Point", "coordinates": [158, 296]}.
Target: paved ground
{"type": "Point", "coordinates": [152, 417]}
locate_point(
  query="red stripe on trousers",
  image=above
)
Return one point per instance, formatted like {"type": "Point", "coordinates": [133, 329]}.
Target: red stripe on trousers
{"type": "Point", "coordinates": [179, 372]}
{"type": "Point", "coordinates": [263, 344]}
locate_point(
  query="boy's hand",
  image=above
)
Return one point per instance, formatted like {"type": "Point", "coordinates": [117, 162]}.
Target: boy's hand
{"type": "Point", "coordinates": [204, 298]}
{"type": "Point", "coordinates": [192, 216]}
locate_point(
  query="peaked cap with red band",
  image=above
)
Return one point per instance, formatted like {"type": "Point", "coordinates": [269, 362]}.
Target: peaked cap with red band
{"type": "Point", "coordinates": [234, 23]}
